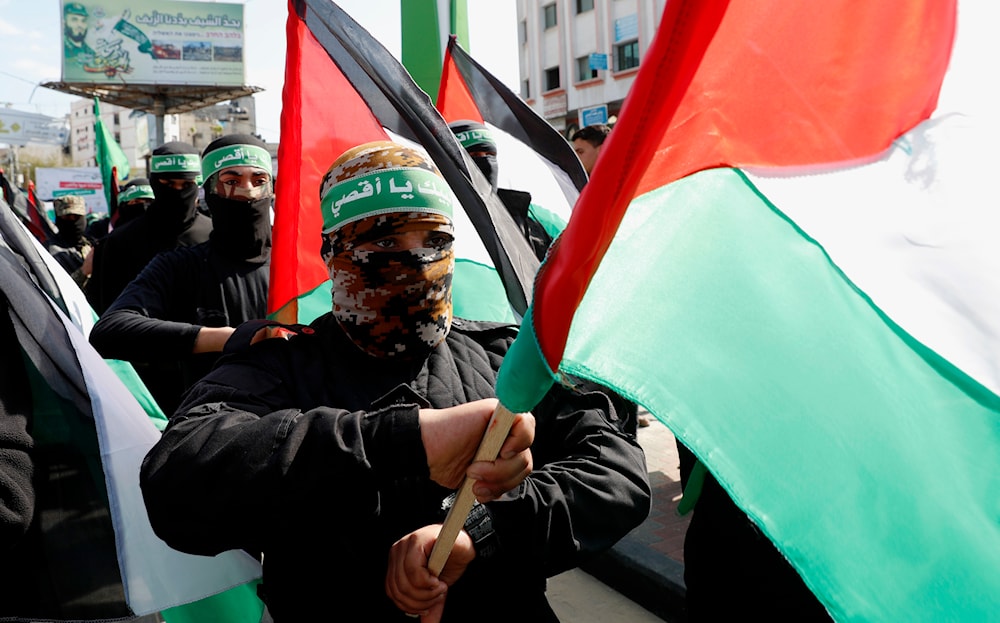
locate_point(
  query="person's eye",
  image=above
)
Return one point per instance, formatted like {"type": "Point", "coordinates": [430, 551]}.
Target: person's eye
{"type": "Point", "coordinates": [438, 241]}
{"type": "Point", "coordinates": [385, 243]}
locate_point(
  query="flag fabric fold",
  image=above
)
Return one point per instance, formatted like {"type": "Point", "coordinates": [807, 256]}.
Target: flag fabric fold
{"type": "Point", "coordinates": [28, 209]}
{"type": "Point", "coordinates": [818, 325]}
{"type": "Point", "coordinates": [366, 95]}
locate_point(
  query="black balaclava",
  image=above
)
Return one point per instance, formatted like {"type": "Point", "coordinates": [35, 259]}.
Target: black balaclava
{"type": "Point", "coordinates": [241, 223]}
{"type": "Point", "coordinates": [70, 232]}
{"type": "Point", "coordinates": [133, 200]}
{"type": "Point", "coordinates": [174, 209]}
{"type": "Point", "coordinates": [475, 137]}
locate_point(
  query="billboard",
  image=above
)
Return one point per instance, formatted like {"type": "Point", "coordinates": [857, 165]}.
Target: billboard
{"type": "Point", "coordinates": [153, 42]}
{"type": "Point", "coordinates": [20, 128]}
{"type": "Point", "coordinates": [54, 182]}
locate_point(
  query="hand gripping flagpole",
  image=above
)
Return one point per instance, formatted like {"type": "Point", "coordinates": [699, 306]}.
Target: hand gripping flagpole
{"type": "Point", "coordinates": [489, 448]}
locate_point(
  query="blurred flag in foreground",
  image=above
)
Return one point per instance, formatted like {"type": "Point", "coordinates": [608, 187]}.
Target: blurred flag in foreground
{"type": "Point", "coordinates": [91, 553]}
{"type": "Point", "coordinates": [27, 207]}
{"type": "Point", "coordinates": [110, 159]}
{"type": "Point", "coordinates": [820, 326]}
{"type": "Point", "coordinates": [342, 89]}
{"type": "Point", "coordinates": [532, 156]}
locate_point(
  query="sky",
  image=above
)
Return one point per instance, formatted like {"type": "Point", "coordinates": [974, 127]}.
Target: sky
{"type": "Point", "coordinates": [31, 49]}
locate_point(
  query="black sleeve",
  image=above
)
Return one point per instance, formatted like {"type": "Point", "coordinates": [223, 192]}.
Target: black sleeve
{"type": "Point", "coordinates": [589, 488]}
{"type": "Point", "coordinates": [238, 464]}
{"type": "Point", "coordinates": [17, 493]}
{"type": "Point", "coordinates": [136, 326]}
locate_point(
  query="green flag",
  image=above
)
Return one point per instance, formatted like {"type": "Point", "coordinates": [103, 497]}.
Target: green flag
{"type": "Point", "coordinates": [110, 158]}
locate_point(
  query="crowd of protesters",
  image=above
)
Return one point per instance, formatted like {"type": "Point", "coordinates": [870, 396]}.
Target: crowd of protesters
{"type": "Point", "coordinates": [343, 439]}
{"type": "Point", "coordinates": [346, 436]}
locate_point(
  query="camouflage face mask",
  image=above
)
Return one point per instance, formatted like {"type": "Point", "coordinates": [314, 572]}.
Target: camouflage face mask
{"type": "Point", "coordinates": [392, 303]}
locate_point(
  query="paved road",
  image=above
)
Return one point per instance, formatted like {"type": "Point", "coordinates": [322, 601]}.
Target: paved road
{"type": "Point", "coordinates": [577, 597]}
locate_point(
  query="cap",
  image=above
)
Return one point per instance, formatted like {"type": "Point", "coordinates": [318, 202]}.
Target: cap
{"type": "Point", "coordinates": [70, 204]}
{"type": "Point", "coordinates": [75, 8]}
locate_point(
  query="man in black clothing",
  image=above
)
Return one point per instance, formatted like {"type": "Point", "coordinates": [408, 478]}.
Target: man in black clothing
{"type": "Point", "coordinates": [477, 139]}
{"type": "Point", "coordinates": [70, 244]}
{"type": "Point", "coordinates": [172, 321]}
{"type": "Point", "coordinates": [132, 201]}
{"type": "Point", "coordinates": [172, 220]}
{"type": "Point", "coordinates": [334, 451]}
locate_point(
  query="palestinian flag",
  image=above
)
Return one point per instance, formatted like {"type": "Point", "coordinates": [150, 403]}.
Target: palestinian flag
{"type": "Point", "coordinates": [819, 325]}
{"type": "Point", "coordinates": [531, 155]}
{"type": "Point", "coordinates": [342, 89]}
{"type": "Point", "coordinates": [90, 553]}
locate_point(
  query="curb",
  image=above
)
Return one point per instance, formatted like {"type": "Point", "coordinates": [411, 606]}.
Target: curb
{"type": "Point", "coordinates": [646, 576]}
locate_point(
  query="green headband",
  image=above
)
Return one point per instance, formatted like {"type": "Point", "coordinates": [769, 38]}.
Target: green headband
{"type": "Point", "coordinates": [235, 156]}
{"type": "Point", "coordinates": [475, 137]}
{"type": "Point", "coordinates": [135, 192]}
{"type": "Point", "coordinates": [175, 163]}
{"type": "Point", "coordinates": [383, 192]}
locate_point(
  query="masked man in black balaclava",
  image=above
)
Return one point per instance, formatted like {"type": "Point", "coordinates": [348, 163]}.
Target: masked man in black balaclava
{"type": "Point", "coordinates": [477, 139]}
{"type": "Point", "coordinates": [175, 317]}
{"type": "Point", "coordinates": [172, 220]}
{"type": "Point", "coordinates": [70, 245]}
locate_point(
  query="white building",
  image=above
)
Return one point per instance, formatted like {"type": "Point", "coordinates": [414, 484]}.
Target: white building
{"type": "Point", "coordinates": [130, 131]}
{"type": "Point", "coordinates": [579, 56]}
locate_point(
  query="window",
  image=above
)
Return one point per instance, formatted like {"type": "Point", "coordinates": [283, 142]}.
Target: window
{"type": "Point", "coordinates": [626, 56]}
{"type": "Point", "coordinates": [583, 70]}
{"type": "Point", "coordinates": [551, 78]}
{"type": "Point", "coordinates": [582, 6]}
{"type": "Point", "coordinates": [522, 31]}
{"type": "Point", "coordinates": [525, 89]}
{"type": "Point", "coordinates": [549, 16]}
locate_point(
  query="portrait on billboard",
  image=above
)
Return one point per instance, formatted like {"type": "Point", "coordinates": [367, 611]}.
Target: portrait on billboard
{"type": "Point", "coordinates": [152, 42]}
{"type": "Point", "coordinates": [75, 31]}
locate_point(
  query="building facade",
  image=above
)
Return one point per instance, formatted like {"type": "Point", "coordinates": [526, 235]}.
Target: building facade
{"type": "Point", "coordinates": [134, 130]}
{"type": "Point", "coordinates": [578, 58]}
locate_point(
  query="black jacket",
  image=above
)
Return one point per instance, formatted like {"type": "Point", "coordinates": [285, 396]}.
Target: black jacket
{"type": "Point", "coordinates": [124, 252]}
{"type": "Point", "coordinates": [309, 451]}
{"type": "Point", "coordinates": [518, 204]}
{"type": "Point", "coordinates": [155, 321]}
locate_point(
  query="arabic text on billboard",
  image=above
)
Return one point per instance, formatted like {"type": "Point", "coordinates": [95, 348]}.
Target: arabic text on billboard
{"type": "Point", "coordinates": [153, 42]}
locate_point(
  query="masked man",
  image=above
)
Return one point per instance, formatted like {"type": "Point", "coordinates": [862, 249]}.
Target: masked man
{"type": "Point", "coordinates": [70, 245]}
{"type": "Point", "coordinates": [324, 449]}
{"type": "Point", "coordinates": [172, 220]}
{"type": "Point", "coordinates": [174, 318]}
{"type": "Point", "coordinates": [478, 141]}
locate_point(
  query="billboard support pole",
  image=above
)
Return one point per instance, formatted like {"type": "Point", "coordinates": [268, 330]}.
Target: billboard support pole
{"type": "Point", "coordinates": [158, 111]}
